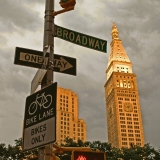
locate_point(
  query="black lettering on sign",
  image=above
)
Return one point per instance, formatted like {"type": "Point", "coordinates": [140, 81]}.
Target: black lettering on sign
{"type": "Point", "coordinates": [33, 58]}
{"type": "Point", "coordinates": [38, 129]}
{"type": "Point", "coordinates": [31, 120]}
{"type": "Point", "coordinates": [40, 60]}
{"type": "Point", "coordinates": [46, 114]}
{"type": "Point", "coordinates": [38, 139]}
{"type": "Point", "coordinates": [59, 64]}
{"type": "Point", "coordinates": [27, 57]}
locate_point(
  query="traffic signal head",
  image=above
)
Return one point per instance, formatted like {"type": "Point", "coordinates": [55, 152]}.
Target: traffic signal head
{"type": "Point", "coordinates": [88, 155]}
{"type": "Point", "coordinates": [67, 3]}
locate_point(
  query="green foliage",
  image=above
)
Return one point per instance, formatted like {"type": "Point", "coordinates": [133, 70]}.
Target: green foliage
{"type": "Point", "coordinates": [11, 152]}
{"type": "Point", "coordinates": [133, 153]}
{"type": "Point", "coordinates": [14, 152]}
{"type": "Point", "coordinates": [2, 151]}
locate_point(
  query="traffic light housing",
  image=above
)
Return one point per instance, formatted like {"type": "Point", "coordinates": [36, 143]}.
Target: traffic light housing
{"type": "Point", "coordinates": [67, 3]}
{"type": "Point", "coordinates": [88, 155]}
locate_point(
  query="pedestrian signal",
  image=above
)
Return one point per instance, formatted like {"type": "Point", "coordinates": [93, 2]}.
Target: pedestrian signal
{"type": "Point", "coordinates": [88, 155]}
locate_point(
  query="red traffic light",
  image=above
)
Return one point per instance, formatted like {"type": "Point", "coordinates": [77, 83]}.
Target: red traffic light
{"type": "Point", "coordinates": [88, 155]}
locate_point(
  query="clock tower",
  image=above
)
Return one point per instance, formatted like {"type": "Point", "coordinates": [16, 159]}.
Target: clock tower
{"type": "Point", "coordinates": [122, 100]}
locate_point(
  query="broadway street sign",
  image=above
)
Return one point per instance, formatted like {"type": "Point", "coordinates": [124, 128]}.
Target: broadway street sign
{"type": "Point", "coordinates": [81, 39]}
{"type": "Point", "coordinates": [33, 58]}
{"type": "Point", "coordinates": [40, 118]}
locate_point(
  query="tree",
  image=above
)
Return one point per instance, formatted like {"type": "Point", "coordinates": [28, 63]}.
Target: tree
{"type": "Point", "coordinates": [138, 153]}
{"type": "Point", "coordinates": [2, 151]}
{"type": "Point", "coordinates": [15, 152]}
{"type": "Point", "coordinates": [147, 152]}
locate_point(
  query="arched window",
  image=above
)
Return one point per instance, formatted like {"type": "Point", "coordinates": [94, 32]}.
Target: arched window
{"type": "Point", "coordinates": [117, 83]}
{"type": "Point", "coordinates": [125, 84]}
{"type": "Point", "coordinates": [132, 84]}
{"type": "Point", "coordinates": [121, 83]}
{"type": "Point", "coordinates": [129, 85]}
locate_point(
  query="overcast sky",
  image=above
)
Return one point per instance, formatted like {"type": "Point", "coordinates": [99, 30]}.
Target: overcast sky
{"type": "Point", "coordinates": [138, 23]}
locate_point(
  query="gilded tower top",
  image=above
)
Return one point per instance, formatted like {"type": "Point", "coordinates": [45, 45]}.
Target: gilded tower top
{"type": "Point", "coordinates": [118, 60]}
{"type": "Point", "coordinates": [114, 32]}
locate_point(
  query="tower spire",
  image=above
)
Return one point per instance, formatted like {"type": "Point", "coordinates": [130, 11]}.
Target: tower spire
{"type": "Point", "coordinates": [117, 53]}
{"type": "Point", "coordinates": [114, 32]}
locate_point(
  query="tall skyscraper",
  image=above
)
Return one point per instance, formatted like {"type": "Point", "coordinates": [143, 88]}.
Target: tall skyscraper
{"type": "Point", "coordinates": [122, 100]}
{"type": "Point", "coordinates": [68, 123]}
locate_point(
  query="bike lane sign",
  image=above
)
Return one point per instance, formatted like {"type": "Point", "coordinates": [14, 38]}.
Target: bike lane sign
{"type": "Point", "coordinates": [40, 118]}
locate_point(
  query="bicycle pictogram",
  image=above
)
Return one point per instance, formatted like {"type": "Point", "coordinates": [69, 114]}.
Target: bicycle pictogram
{"type": "Point", "coordinates": [43, 101]}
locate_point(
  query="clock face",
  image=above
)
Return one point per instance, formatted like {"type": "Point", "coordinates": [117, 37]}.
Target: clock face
{"type": "Point", "coordinates": [128, 107]}
{"type": "Point", "coordinates": [64, 0]}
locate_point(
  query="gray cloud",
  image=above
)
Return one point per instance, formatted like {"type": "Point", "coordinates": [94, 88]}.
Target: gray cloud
{"type": "Point", "coordinates": [15, 14]}
{"type": "Point", "coordinates": [138, 25]}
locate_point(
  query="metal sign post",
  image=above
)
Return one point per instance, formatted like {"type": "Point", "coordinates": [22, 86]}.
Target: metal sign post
{"type": "Point", "coordinates": [48, 42]}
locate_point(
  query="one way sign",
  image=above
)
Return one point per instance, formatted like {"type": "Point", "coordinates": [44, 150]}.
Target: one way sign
{"type": "Point", "coordinates": [62, 64]}
{"type": "Point", "coordinates": [33, 58]}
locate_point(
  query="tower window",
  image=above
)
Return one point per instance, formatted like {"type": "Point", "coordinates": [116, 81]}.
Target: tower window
{"type": "Point", "coordinates": [136, 127]}
{"type": "Point", "coordinates": [130, 127]}
{"type": "Point", "coordinates": [137, 135]}
{"type": "Point", "coordinates": [123, 126]}
{"type": "Point", "coordinates": [131, 139]}
{"type": "Point", "coordinates": [130, 135]}
{"type": "Point", "coordinates": [124, 134]}
{"type": "Point", "coordinates": [122, 122]}
{"type": "Point", "coordinates": [124, 143]}
{"type": "Point", "coordinates": [123, 130]}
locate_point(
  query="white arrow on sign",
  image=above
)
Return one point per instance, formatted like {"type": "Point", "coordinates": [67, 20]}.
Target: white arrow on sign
{"type": "Point", "coordinates": [62, 64]}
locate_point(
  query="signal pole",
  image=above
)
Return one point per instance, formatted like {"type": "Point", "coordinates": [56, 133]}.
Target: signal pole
{"type": "Point", "coordinates": [45, 153]}
{"type": "Point", "coordinates": [48, 41]}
